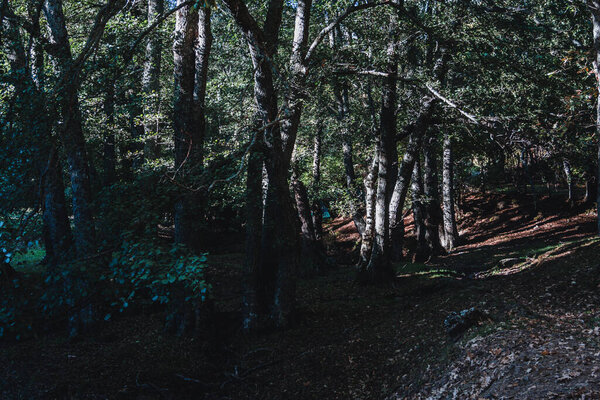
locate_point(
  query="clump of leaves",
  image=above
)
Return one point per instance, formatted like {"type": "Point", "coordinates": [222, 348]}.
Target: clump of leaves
{"type": "Point", "coordinates": [149, 273]}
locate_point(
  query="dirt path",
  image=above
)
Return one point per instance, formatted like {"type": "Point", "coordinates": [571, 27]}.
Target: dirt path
{"type": "Point", "coordinates": [542, 339]}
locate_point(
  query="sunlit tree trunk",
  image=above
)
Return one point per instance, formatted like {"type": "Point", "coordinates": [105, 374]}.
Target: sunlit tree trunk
{"type": "Point", "coordinates": [569, 177]}
{"type": "Point", "coordinates": [433, 212]}
{"type": "Point", "coordinates": [370, 182]}
{"type": "Point", "coordinates": [151, 83]}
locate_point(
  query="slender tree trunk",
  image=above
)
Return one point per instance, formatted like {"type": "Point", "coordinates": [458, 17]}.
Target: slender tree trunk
{"type": "Point", "coordinates": [109, 157]}
{"type": "Point", "coordinates": [370, 182]}
{"type": "Point", "coordinates": [340, 91]}
{"type": "Point", "coordinates": [418, 208]}
{"type": "Point", "coordinates": [433, 212]}
{"type": "Point", "coordinates": [203, 49]}
{"type": "Point", "coordinates": [254, 302]}
{"type": "Point", "coordinates": [405, 171]}
{"type": "Point", "coordinates": [590, 184]}
{"type": "Point", "coordinates": [151, 83]}
{"type": "Point", "coordinates": [312, 253]}
{"type": "Point", "coordinates": [569, 177]}
{"type": "Point", "coordinates": [317, 213]}
{"type": "Point", "coordinates": [450, 232]}
{"type": "Point", "coordinates": [594, 6]}
{"type": "Point", "coordinates": [71, 131]}
{"type": "Point", "coordinates": [184, 59]}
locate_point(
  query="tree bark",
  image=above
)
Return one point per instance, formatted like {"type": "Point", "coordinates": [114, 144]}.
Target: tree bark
{"type": "Point", "coordinates": [109, 156]}
{"type": "Point", "coordinates": [594, 6]}
{"type": "Point", "coordinates": [312, 252]}
{"type": "Point", "coordinates": [184, 72]}
{"type": "Point", "coordinates": [418, 208]}
{"type": "Point", "coordinates": [151, 83]}
{"type": "Point", "coordinates": [317, 213]}
{"type": "Point", "coordinates": [413, 149]}
{"type": "Point", "coordinates": [569, 177]}
{"type": "Point", "coordinates": [57, 234]}
{"type": "Point", "coordinates": [379, 268]}
{"type": "Point", "coordinates": [366, 245]}
{"type": "Point", "coordinates": [272, 271]}
{"type": "Point", "coordinates": [71, 131]}
{"type": "Point", "coordinates": [433, 212]}
{"type": "Point", "coordinates": [450, 232]}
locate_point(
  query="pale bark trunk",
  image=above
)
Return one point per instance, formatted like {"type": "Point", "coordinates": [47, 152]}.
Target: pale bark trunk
{"type": "Point", "coordinates": [569, 177]}
{"type": "Point", "coordinates": [450, 233]}
{"type": "Point", "coordinates": [151, 83]}
{"type": "Point", "coordinates": [595, 8]}
{"type": "Point", "coordinates": [316, 167]}
{"type": "Point", "coordinates": [317, 214]}
{"type": "Point", "coordinates": [203, 49]}
{"type": "Point", "coordinates": [433, 212]}
{"type": "Point", "coordinates": [370, 183]}
{"type": "Point", "coordinates": [71, 131]}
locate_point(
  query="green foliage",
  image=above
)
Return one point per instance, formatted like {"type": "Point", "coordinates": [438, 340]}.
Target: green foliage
{"type": "Point", "coordinates": [149, 273]}
{"type": "Point", "coordinates": [139, 275]}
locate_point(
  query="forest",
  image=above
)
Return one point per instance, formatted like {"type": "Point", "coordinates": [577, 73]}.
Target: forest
{"type": "Point", "coordinates": [299, 199]}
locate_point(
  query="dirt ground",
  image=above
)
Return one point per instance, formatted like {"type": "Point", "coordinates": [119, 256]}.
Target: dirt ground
{"type": "Point", "coordinates": [534, 273]}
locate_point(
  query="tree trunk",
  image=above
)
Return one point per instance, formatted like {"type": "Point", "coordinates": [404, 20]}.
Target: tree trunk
{"type": "Point", "coordinates": [71, 131]}
{"type": "Point", "coordinates": [418, 208]}
{"type": "Point", "coordinates": [273, 270]}
{"type": "Point", "coordinates": [569, 177]}
{"type": "Point", "coordinates": [366, 245]}
{"type": "Point", "coordinates": [379, 268]}
{"type": "Point", "coordinates": [317, 213]}
{"type": "Point", "coordinates": [109, 156]}
{"type": "Point", "coordinates": [590, 184]}
{"type": "Point", "coordinates": [151, 83]}
{"type": "Point", "coordinates": [450, 232]}
{"type": "Point", "coordinates": [312, 254]}
{"type": "Point", "coordinates": [594, 6]}
{"type": "Point", "coordinates": [56, 229]}
{"type": "Point", "coordinates": [316, 167]}
{"type": "Point", "coordinates": [405, 171]}
{"type": "Point", "coordinates": [184, 60]}
{"type": "Point", "coordinates": [433, 212]}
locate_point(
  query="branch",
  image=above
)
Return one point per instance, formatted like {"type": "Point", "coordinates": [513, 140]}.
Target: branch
{"type": "Point", "coordinates": [110, 9]}
{"type": "Point", "coordinates": [437, 94]}
{"type": "Point", "coordinates": [159, 20]}
{"type": "Point", "coordinates": [325, 31]}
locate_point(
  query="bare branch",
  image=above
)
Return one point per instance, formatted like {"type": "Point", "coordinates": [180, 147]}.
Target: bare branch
{"type": "Point", "coordinates": [325, 31]}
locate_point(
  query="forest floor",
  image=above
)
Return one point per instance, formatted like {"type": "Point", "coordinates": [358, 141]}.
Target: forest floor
{"type": "Point", "coordinates": [532, 273]}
